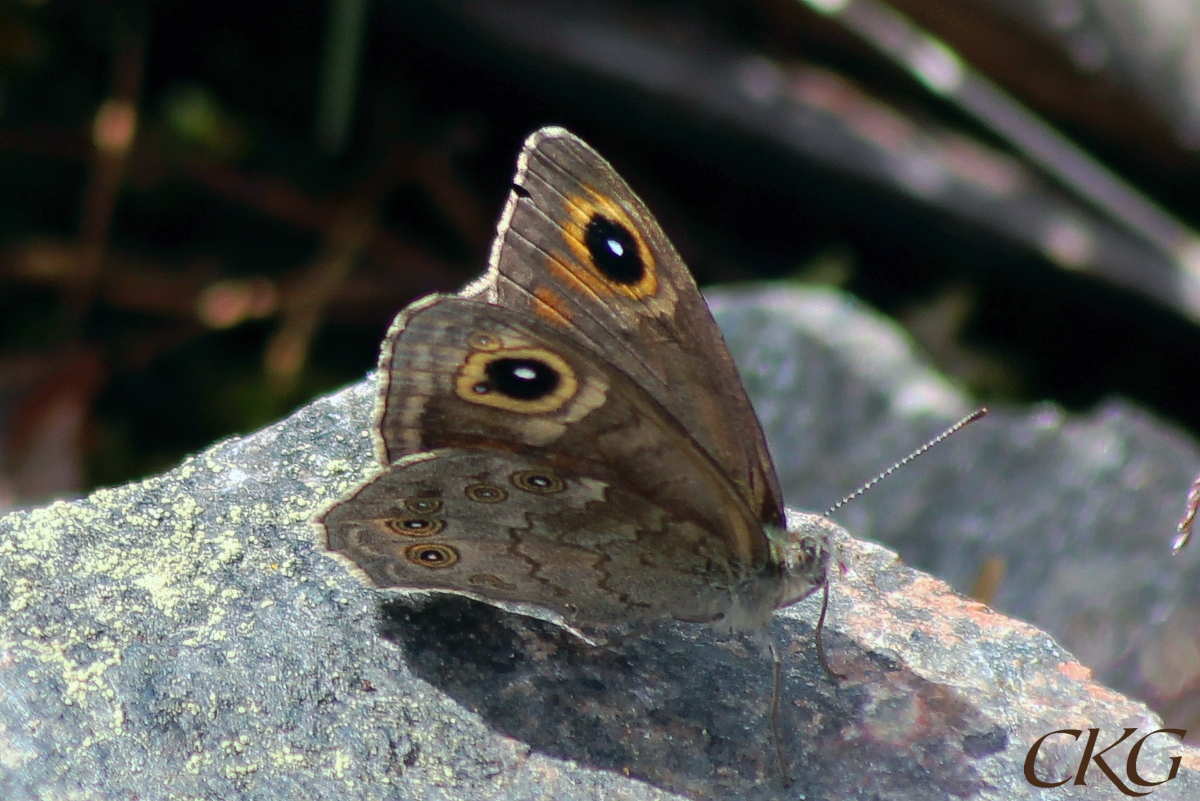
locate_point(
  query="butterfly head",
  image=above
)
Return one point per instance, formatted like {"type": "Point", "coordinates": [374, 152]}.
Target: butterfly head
{"type": "Point", "coordinates": [805, 552]}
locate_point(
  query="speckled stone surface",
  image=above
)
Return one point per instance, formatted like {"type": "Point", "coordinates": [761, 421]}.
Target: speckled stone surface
{"type": "Point", "coordinates": [1080, 509]}
{"type": "Point", "coordinates": [187, 636]}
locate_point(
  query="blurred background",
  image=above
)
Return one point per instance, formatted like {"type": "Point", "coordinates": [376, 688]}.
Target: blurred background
{"type": "Point", "coordinates": [210, 211]}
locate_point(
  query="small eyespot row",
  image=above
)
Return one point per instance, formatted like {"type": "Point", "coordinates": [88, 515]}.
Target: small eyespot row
{"type": "Point", "coordinates": [538, 482]}
{"type": "Point", "coordinates": [415, 526]}
{"type": "Point", "coordinates": [431, 554]}
{"type": "Point", "coordinates": [422, 506]}
{"type": "Point", "coordinates": [486, 493]}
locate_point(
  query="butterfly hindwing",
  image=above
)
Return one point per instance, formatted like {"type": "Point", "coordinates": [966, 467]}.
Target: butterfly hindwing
{"type": "Point", "coordinates": [511, 530]}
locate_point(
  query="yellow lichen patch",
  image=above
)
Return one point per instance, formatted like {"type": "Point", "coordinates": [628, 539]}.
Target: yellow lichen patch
{"type": "Point", "coordinates": [229, 547]}
{"type": "Point", "coordinates": [340, 764]}
{"type": "Point", "coordinates": [334, 467]}
{"type": "Point", "coordinates": [21, 593]}
{"type": "Point", "coordinates": [40, 534]}
{"type": "Point", "coordinates": [105, 599]}
{"type": "Point", "coordinates": [84, 684]}
{"type": "Point", "coordinates": [285, 757]}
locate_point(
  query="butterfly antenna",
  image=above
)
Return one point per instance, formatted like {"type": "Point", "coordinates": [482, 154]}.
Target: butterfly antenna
{"type": "Point", "coordinates": [978, 414]}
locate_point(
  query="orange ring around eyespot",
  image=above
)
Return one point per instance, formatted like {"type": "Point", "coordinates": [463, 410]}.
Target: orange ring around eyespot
{"type": "Point", "coordinates": [474, 373]}
{"type": "Point", "coordinates": [422, 506]}
{"type": "Point", "coordinates": [419, 554]}
{"type": "Point", "coordinates": [428, 527]}
{"type": "Point", "coordinates": [580, 211]}
{"type": "Point", "coordinates": [485, 493]}
{"type": "Point", "coordinates": [526, 480]}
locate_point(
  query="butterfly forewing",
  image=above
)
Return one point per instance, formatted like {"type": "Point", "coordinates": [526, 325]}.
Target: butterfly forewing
{"type": "Point", "coordinates": [579, 250]}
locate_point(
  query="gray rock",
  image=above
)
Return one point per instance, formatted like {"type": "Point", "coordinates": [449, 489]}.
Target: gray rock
{"type": "Point", "coordinates": [1080, 509]}
{"type": "Point", "coordinates": [188, 637]}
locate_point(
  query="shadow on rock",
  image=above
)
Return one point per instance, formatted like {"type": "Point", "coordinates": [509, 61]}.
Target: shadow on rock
{"type": "Point", "coordinates": [688, 711]}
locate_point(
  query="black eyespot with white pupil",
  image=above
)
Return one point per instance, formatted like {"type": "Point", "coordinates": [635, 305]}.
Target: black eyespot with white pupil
{"type": "Point", "coordinates": [415, 526]}
{"type": "Point", "coordinates": [423, 505]}
{"type": "Point", "coordinates": [432, 555]}
{"type": "Point", "coordinates": [486, 493]}
{"type": "Point", "coordinates": [538, 482]}
{"type": "Point", "coordinates": [614, 250]}
{"type": "Point", "coordinates": [519, 379]}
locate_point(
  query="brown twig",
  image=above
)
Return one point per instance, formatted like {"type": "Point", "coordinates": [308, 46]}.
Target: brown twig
{"type": "Point", "coordinates": [433, 170]}
{"type": "Point", "coordinates": [344, 240]}
{"type": "Point", "coordinates": [277, 198]}
{"type": "Point", "coordinates": [113, 131]}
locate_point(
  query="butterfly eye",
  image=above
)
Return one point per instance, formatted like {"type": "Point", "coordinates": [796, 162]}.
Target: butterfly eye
{"type": "Point", "coordinates": [432, 555]}
{"type": "Point", "coordinates": [811, 547]}
{"type": "Point", "coordinates": [806, 553]}
{"type": "Point", "coordinates": [422, 505]}
{"type": "Point", "coordinates": [415, 526]}
{"type": "Point", "coordinates": [539, 482]}
{"type": "Point", "coordinates": [485, 493]}
{"type": "Point", "coordinates": [614, 250]}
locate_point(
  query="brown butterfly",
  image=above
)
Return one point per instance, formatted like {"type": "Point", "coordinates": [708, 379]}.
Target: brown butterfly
{"type": "Point", "coordinates": [568, 438]}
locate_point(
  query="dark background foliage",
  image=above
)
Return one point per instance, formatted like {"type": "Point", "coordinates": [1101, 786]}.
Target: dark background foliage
{"type": "Point", "coordinates": [193, 244]}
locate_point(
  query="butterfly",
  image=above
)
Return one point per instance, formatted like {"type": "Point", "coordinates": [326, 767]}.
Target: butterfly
{"type": "Point", "coordinates": [568, 437]}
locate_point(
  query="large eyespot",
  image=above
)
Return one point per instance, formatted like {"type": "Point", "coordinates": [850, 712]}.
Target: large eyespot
{"type": "Point", "coordinates": [431, 554]}
{"type": "Point", "coordinates": [415, 526]}
{"type": "Point", "coordinates": [422, 506]}
{"type": "Point", "coordinates": [614, 250]}
{"type": "Point", "coordinates": [485, 493]}
{"type": "Point", "coordinates": [519, 379]}
{"type": "Point", "coordinates": [539, 482]}
{"type": "Point", "coordinates": [523, 380]}
{"type": "Point", "coordinates": [609, 245]}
